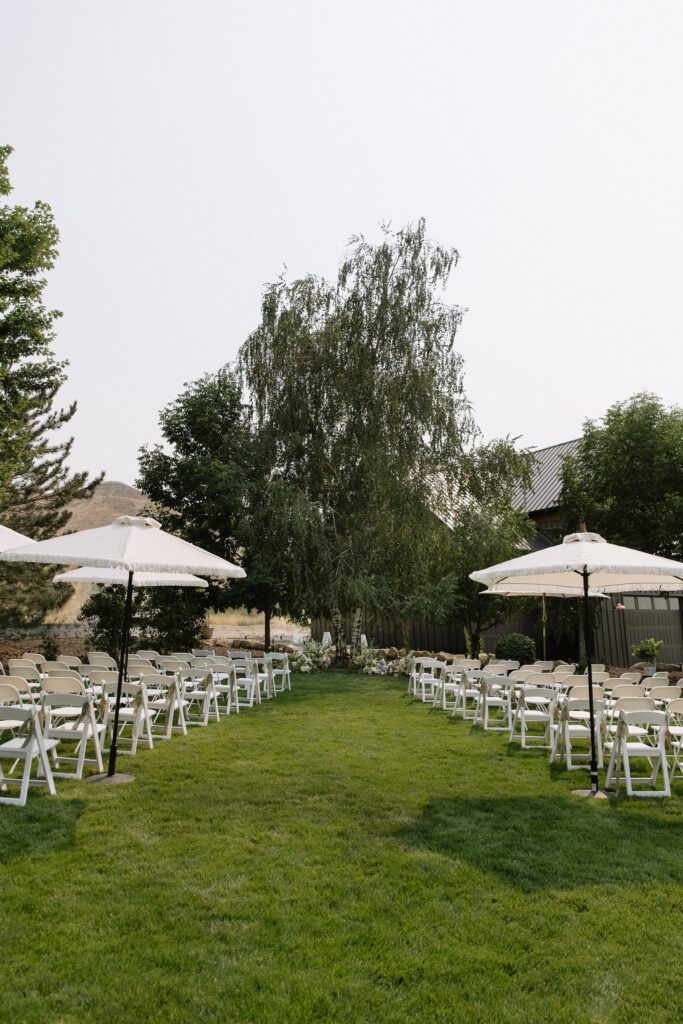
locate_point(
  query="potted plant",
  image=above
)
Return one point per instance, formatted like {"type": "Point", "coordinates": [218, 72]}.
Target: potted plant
{"type": "Point", "coordinates": [647, 650]}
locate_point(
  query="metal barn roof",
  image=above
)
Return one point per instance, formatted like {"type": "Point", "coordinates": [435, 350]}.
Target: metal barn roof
{"type": "Point", "coordinates": [546, 480]}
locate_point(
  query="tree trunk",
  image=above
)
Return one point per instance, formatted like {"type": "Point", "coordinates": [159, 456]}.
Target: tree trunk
{"type": "Point", "coordinates": [266, 630]}
{"type": "Point", "coordinates": [356, 630]}
{"type": "Point", "coordinates": [339, 634]}
{"type": "Point", "coordinates": [406, 633]}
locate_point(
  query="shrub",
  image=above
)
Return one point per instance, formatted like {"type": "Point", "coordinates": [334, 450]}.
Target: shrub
{"type": "Point", "coordinates": [516, 647]}
{"type": "Point", "coordinates": [50, 648]}
{"type": "Point", "coordinates": [647, 649]}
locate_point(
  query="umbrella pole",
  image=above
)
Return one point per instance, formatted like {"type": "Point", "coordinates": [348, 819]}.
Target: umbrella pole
{"type": "Point", "coordinates": [123, 664]}
{"type": "Point", "coordinates": [545, 629]}
{"type": "Point", "coordinates": [589, 668]}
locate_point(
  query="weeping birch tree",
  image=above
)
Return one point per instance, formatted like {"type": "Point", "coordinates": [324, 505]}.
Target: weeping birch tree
{"type": "Point", "coordinates": [360, 387]}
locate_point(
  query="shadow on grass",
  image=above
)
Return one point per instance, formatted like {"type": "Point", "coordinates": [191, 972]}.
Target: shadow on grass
{"type": "Point", "coordinates": [42, 826]}
{"type": "Point", "coordinates": [560, 843]}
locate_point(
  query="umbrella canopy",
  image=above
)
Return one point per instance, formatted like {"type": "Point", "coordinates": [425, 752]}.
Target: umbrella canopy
{"type": "Point", "coordinates": [527, 590]}
{"type": "Point", "coordinates": [133, 543]}
{"type": "Point", "coordinates": [12, 539]}
{"type": "Point", "coordinates": [610, 568]}
{"type": "Point", "coordinates": [590, 560]}
{"type": "Point", "coordinates": [120, 577]}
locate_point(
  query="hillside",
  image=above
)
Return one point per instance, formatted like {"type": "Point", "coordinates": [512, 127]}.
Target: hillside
{"type": "Point", "coordinates": [110, 500]}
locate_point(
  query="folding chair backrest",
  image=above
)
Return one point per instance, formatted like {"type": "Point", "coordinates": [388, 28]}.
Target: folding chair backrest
{"type": "Point", "coordinates": [203, 653]}
{"type": "Point", "coordinates": [467, 663]}
{"type": "Point", "coordinates": [101, 659]}
{"type": "Point", "coordinates": [627, 690]}
{"type": "Point", "coordinates": [13, 663]}
{"type": "Point", "coordinates": [55, 684]}
{"type": "Point", "coordinates": [196, 675]}
{"type": "Point", "coordinates": [171, 664]}
{"type": "Point", "coordinates": [495, 670]}
{"type": "Point", "coordinates": [543, 666]}
{"type": "Point", "coordinates": [103, 676]}
{"type": "Point", "coordinates": [148, 655]}
{"type": "Point", "coordinates": [64, 699]}
{"type": "Point", "coordinates": [539, 679]}
{"type": "Point", "coordinates": [239, 655]}
{"type": "Point", "coordinates": [202, 662]}
{"type": "Point", "coordinates": [29, 674]}
{"type": "Point", "coordinates": [142, 671]}
{"type": "Point", "coordinates": [279, 658]}
{"type": "Point", "coordinates": [534, 692]}
{"type": "Point", "coordinates": [520, 674]}
{"type": "Point", "coordinates": [15, 713]}
{"type": "Point", "coordinates": [665, 692]}
{"type": "Point", "coordinates": [562, 671]}
{"type": "Point", "coordinates": [9, 694]}
{"type": "Point", "coordinates": [580, 692]}
{"type": "Point", "coordinates": [65, 673]}
{"type": "Point", "coordinates": [629, 704]}
{"type": "Point", "coordinates": [109, 688]}
{"type": "Point", "coordinates": [37, 659]}
{"type": "Point", "coordinates": [597, 667]}
{"type": "Point", "coordinates": [182, 656]}
{"type": "Point", "coordinates": [527, 668]}
{"type": "Point", "coordinates": [71, 661]}
{"type": "Point", "coordinates": [581, 704]}
{"type": "Point", "coordinates": [21, 686]}
{"type": "Point", "coordinates": [631, 677]}
{"type": "Point", "coordinates": [657, 719]}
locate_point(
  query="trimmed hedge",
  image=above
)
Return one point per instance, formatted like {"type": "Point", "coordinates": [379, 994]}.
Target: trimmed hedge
{"type": "Point", "coordinates": [516, 647]}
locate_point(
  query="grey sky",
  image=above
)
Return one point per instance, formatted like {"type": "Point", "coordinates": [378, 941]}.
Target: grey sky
{"type": "Point", "coordinates": [191, 148]}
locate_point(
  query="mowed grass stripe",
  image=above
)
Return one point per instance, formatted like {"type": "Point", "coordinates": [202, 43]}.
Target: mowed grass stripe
{"type": "Point", "coordinates": [341, 854]}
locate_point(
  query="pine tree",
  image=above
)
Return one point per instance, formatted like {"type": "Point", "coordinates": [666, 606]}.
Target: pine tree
{"type": "Point", "coordinates": [36, 485]}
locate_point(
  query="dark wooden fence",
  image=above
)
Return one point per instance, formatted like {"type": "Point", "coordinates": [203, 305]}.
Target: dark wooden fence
{"type": "Point", "coordinates": [615, 633]}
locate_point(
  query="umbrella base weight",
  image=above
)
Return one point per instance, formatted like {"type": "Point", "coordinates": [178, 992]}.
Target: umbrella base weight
{"type": "Point", "coordinates": [111, 780]}
{"type": "Point", "coordinates": [600, 795]}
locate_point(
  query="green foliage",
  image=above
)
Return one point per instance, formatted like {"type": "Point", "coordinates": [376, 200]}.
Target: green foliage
{"type": "Point", "coordinates": [35, 483]}
{"type": "Point", "coordinates": [215, 483]}
{"type": "Point", "coordinates": [50, 648]}
{"type": "Point", "coordinates": [311, 657]}
{"type": "Point", "coordinates": [647, 649]}
{"type": "Point", "coordinates": [164, 618]}
{"type": "Point", "coordinates": [485, 534]}
{"type": "Point", "coordinates": [626, 481]}
{"type": "Point", "coordinates": [516, 647]}
{"type": "Point", "coordinates": [359, 390]}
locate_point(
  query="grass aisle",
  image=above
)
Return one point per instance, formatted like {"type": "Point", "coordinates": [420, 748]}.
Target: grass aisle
{"type": "Point", "coordinates": [340, 855]}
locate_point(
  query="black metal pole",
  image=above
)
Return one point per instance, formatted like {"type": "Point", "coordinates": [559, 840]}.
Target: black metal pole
{"type": "Point", "coordinates": [123, 664]}
{"type": "Point", "coordinates": [589, 667]}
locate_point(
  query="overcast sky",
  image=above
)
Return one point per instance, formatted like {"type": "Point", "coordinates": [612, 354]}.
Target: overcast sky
{"type": "Point", "coordinates": [192, 148]}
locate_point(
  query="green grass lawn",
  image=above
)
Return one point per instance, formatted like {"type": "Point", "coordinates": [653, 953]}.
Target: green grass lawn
{"type": "Point", "coordinates": [342, 854]}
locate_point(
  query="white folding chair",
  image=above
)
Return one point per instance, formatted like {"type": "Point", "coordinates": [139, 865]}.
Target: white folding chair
{"type": "Point", "coordinates": [199, 695]}
{"type": "Point", "coordinates": [28, 745]}
{"type": "Point", "coordinates": [494, 706]}
{"type": "Point", "coordinates": [573, 728]}
{"type": "Point", "coordinates": [535, 707]}
{"type": "Point", "coordinates": [640, 735]}
{"type": "Point", "coordinates": [225, 684]}
{"type": "Point", "coordinates": [280, 671]}
{"type": "Point", "coordinates": [467, 692]}
{"type": "Point", "coordinates": [166, 705]}
{"type": "Point", "coordinates": [133, 711]}
{"type": "Point", "coordinates": [63, 725]}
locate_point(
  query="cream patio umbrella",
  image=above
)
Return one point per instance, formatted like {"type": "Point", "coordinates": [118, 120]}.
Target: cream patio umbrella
{"type": "Point", "coordinates": [12, 539]}
{"type": "Point", "coordinates": [134, 544]}
{"type": "Point", "coordinates": [586, 560]}
{"type": "Point", "coordinates": [519, 590]}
